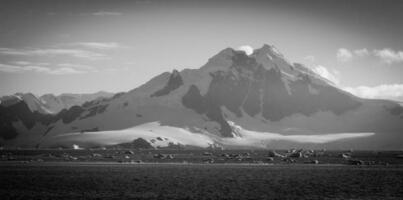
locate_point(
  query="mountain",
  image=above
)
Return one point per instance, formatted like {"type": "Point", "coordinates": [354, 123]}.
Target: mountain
{"type": "Point", "coordinates": [233, 101]}
{"type": "Point", "coordinates": [49, 103]}
{"type": "Point", "coordinates": [65, 101]}
{"type": "Point", "coordinates": [34, 104]}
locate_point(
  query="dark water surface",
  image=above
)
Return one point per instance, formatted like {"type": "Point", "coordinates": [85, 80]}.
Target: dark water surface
{"type": "Point", "coordinates": [90, 180]}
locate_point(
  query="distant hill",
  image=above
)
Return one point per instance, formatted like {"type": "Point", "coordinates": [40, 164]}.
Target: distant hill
{"type": "Point", "coordinates": [50, 103]}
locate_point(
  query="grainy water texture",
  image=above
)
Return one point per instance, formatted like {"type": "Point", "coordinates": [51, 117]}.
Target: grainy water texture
{"type": "Point", "coordinates": [178, 181]}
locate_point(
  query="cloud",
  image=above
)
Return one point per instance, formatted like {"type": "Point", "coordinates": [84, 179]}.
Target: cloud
{"type": "Point", "coordinates": [83, 50]}
{"type": "Point", "coordinates": [246, 48]}
{"type": "Point", "coordinates": [332, 75]}
{"type": "Point", "coordinates": [99, 45]}
{"type": "Point", "coordinates": [61, 70]}
{"type": "Point", "coordinates": [344, 55]}
{"type": "Point", "coordinates": [143, 2]}
{"type": "Point", "coordinates": [78, 53]}
{"type": "Point", "coordinates": [389, 56]}
{"type": "Point", "coordinates": [37, 69]}
{"type": "Point", "coordinates": [66, 70]}
{"type": "Point", "coordinates": [9, 68]}
{"type": "Point", "coordinates": [310, 58]}
{"type": "Point", "coordinates": [78, 66]}
{"type": "Point", "coordinates": [323, 72]}
{"type": "Point", "coordinates": [106, 13]}
{"type": "Point", "coordinates": [22, 62]}
{"type": "Point", "coordinates": [385, 91]}
{"type": "Point", "coordinates": [25, 63]}
{"type": "Point", "coordinates": [386, 55]}
{"type": "Point", "coordinates": [361, 52]}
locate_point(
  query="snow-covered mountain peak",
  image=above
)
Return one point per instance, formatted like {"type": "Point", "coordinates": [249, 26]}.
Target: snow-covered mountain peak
{"type": "Point", "coordinates": [269, 51]}
{"type": "Point", "coordinates": [232, 97]}
{"type": "Point", "coordinates": [270, 57]}
{"type": "Point", "coordinates": [221, 61]}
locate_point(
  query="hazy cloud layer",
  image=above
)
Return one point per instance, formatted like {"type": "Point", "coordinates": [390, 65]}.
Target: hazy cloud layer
{"type": "Point", "coordinates": [344, 55]}
{"type": "Point", "coordinates": [85, 68]}
{"type": "Point", "coordinates": [361, 52]}
{"type": "Point", "coordinates": [310, 58]}
{"type": "Point", "coordinates": [98, 45]}
{"type": "Point", "coordinates": [61, 69]}
{"type": "Point", "coordinates": [385, 91]}
{"type": "Point", "coordinates": [389, 56]}
{"type": "Point", "coordinates": [77, 53]}
{"type": "Point", "coordinates": [386, 55]}
{"type": "Point", "coordinates": [106, 13]}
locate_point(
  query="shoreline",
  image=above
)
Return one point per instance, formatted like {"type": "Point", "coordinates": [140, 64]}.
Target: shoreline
{"type": "Point", "coordinates": [92, 163]}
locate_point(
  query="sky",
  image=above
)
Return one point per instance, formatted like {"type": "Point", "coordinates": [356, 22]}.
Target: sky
{"type": "Point", "coordinates": [59, 46]}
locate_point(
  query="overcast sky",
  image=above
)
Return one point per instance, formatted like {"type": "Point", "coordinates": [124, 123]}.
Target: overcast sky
{"type": "Point", "coordinates": [86, 46]}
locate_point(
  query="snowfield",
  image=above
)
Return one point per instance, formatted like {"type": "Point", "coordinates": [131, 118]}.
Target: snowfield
{"type": "Point", "coordinates": [157, 135]}
{"type": "Point", "coordinates": [161, 136]}
{"type": "Point", "coordinates": [253, 138]}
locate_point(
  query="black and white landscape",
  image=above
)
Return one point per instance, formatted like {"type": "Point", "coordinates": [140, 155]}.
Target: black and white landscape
{"type": "Point", "coordinates": [235, 100]}
{"type": "Point", "coordinates": [152, 99]}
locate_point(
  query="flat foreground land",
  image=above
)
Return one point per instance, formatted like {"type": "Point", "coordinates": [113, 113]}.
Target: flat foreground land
{"type": "Point", "coordinates": [76, 180]}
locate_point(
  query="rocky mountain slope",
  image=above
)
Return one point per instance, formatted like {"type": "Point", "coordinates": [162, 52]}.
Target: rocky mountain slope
{"type": "Point", "coordinates": [50, 103]}
{"type": "Point", "coordinates": [233, 101]}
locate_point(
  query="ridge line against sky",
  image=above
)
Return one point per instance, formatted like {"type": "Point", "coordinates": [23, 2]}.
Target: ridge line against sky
{"type": "Point", "coordinates": [57, 47]}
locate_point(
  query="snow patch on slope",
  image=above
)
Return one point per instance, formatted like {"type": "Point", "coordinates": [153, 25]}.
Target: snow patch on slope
{"type": "Point", "coordinates": [174, 135]}
{"type": "Point", "coordinates": [149, 131]}
{"type": "Point", "coordinates": [249, 138]}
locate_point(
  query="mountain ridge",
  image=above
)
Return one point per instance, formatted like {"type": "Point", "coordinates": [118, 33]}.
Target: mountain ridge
{"type": "Point", "coordinates": [50, 103]}
{"type": "Point", "coordinates": [233, 97]}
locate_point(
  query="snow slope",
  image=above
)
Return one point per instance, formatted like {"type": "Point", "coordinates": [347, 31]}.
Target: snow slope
{"type": "Point", "coordinates": [161, 136]}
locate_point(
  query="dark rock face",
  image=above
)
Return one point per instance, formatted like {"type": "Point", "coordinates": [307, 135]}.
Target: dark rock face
{"type": "Point", "coordinates": [19, 112]}
{"type": "Point", "coordinates": [90, 130]}
{"type": "Point", "coordinates": [71, 114]}
{"type": "Point", "coordinates": [395, 110]}
{"type": "Point", "coordinates": [278, 103]}
{"type": "Point", "coordinates": [47, 130]}
{"type": "Point", "coordinates": [203, 105]}
{"type": "Point", "coordinates": [254, 89]}
{"type": "Point", "coordinates": [7, 131]}
{"type": "Point", "coordinates": [117, 95]}
{"type": "Point", "coordinates": [95, 110]}
{"type": "Point", "coordinates": [194, 100]}
{"type": "Point", "coordinates": [138, 143]}
{"type": "Point", "coordinates": [174, 82]}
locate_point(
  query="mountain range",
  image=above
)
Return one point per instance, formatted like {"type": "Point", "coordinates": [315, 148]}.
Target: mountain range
{"type": "Point", "coordinates": [235, 100]}
{"type": "Point", "coordinates": [50, 103]}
